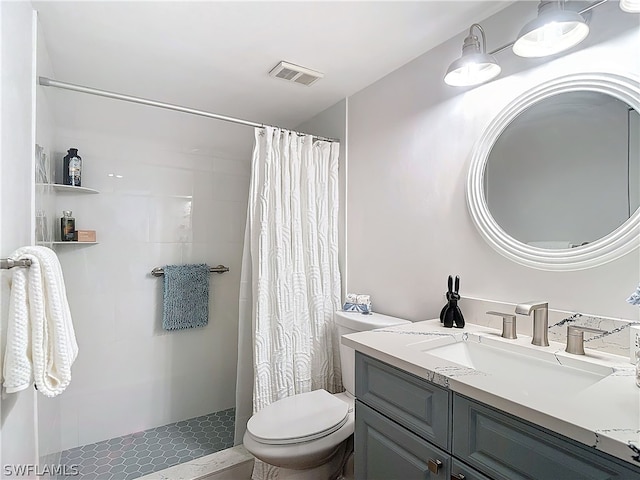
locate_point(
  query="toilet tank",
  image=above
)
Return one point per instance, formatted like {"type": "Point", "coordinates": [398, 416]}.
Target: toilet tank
{"type": "Point", "coordinates": [352, 322]}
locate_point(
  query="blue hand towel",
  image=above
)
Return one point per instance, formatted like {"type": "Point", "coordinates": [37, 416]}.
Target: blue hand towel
{"type": "Point", "coordinates": [186, 296]}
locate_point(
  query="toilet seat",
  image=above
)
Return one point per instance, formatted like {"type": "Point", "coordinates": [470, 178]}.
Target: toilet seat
{"type": "Point", "coordinates": [299, 418]}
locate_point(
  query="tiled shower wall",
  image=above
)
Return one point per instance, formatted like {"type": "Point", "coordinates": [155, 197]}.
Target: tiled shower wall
{"type": "Point", "coordinates": [157, 206]}
{"type": "Point", "coordinates": [17, 440]}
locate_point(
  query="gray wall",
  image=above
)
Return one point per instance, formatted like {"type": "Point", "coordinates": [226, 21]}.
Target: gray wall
{"type": "Point", "coordinates": [411, 138]}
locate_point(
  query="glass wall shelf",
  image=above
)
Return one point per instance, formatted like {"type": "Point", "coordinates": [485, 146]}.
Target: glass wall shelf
{"type": "Point", "coordinates": [67, 188]}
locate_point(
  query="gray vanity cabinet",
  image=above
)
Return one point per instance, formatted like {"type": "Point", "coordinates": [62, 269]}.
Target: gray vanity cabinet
{"type": "Point", "coordinates": [402, 425]}
{"type": "Point", "coordinates": [408, 428]}
{"type": "Point", "coordinates": [507, 448]}
{"type": "Point", "coordinates": [420, 406]}
{"type": "Point", "coordinates": [461, 471]}
{"type": "Point", "coordinates": [387, 451]}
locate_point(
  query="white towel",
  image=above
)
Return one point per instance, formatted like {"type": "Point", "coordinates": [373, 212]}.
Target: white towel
{"type": "Point", "coordinates": [41, 343]}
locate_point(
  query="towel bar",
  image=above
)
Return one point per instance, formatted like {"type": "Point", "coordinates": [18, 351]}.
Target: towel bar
{"type": "Point", "coordinates": [7, 263]}
{"type": "Point", "coordinates": [159, 271]}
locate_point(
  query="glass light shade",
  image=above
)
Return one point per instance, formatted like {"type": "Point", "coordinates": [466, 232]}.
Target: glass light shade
{"type": "Point", "coordinates": [551, 32]}
{"type": "Point", "coordinates": [472, 69]}
{"type": "Point", "coordinates": [630, 6]}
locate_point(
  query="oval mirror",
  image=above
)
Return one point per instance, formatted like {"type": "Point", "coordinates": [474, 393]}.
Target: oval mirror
{"type": "Point", "coordinates": [554, 181]}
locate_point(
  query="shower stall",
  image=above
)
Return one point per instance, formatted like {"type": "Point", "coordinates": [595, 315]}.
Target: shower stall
{"type": "Point", "coordinates": [141, 399]}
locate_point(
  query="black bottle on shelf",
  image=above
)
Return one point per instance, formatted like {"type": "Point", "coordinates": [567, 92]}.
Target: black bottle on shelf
{"type": "Point", "coordinates": [67, 227]}
{"type": "Point", "coordinates": [72, 168]}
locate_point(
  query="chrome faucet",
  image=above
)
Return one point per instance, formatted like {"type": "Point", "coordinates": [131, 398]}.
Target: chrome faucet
{"type": "Point", "coordinates": [540, 320]}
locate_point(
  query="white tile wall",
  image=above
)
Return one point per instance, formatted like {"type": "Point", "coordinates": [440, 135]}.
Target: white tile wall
{"type": "Point", "coordinates": [169, 207]}
{"type": "Point", "coordinates": [18, 443]}
{"type": "Point", "coordinates": [49, 409]}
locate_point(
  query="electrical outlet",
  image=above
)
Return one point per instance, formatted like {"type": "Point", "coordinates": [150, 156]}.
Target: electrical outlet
{"type": "Point", "coordinates": [634, 342]}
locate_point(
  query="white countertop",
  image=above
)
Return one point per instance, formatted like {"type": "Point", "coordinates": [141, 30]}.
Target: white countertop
{"type": "Point", "coordinates": [605, 416]}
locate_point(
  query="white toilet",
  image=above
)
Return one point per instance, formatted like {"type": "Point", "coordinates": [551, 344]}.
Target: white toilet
{"type": "Point", "coordinates": [308, 435]}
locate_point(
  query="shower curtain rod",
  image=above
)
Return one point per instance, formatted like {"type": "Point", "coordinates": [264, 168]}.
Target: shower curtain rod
{"type": "Point", "coordinates": [48, 82]}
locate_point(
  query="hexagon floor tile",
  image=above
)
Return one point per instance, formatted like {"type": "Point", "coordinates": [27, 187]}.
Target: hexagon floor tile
{"type": "Point", "coordinates": [141, 453]}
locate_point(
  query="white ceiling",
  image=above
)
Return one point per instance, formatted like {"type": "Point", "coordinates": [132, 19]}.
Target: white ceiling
{"type": "Point", "coordinates": [216, 56]}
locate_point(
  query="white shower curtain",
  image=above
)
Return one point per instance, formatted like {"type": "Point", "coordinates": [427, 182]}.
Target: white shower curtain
{"type": "Point", "coordinates": [290, 282]}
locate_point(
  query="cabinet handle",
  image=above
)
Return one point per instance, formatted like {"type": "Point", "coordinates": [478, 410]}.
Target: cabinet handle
{"type": "Point", "coordinates": [457, 476]}
{"type": "Point", "coordinates": [434, 465]}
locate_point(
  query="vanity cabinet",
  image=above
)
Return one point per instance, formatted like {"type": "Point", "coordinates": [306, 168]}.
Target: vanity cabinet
{"type": "Point", "coordinates": [385, 450]}
{"type": "Point", "coordinates": [417, 405]}
{"type": "Point", "coordinates": [507, 448]}
{"type": "Point", "coordinates": [402, 427]}
{"type": "Point", "coordinates": [462, 471]}
{"type": "Point", "coordinates": [409, 428]}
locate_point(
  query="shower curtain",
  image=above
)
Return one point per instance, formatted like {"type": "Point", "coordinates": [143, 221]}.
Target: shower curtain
{"type": "Point", "coordinates": [290, 282]}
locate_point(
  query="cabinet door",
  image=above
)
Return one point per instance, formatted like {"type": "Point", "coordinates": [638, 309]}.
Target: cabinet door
{"type": "Point", "coordinates": [506, 448]}
{"type": "Point", "coordinates": [386, 451]}
{"type": "Point", "coordinates": [414, 403]}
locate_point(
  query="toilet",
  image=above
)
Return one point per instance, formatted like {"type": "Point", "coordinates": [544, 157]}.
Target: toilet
{"type": "Point", "coordinates": [309, 435]}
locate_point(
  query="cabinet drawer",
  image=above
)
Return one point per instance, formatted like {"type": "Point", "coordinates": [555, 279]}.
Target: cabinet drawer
{"type": "Point", "coordinates": [386, 451]}
{"type": "Point", "coordinates": [506, 448]}
{"type": "Point", "coordinates": [414, 403]}
{"type": "Point", "coordinates": [461, 471]}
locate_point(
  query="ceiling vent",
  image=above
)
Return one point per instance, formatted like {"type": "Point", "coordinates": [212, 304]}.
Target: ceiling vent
{"type": "Point", "coordinates": [296, 74]}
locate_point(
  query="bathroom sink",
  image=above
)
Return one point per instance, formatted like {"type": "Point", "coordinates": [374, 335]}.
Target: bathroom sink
{"type": "Point", "coordinates": [530, 370]}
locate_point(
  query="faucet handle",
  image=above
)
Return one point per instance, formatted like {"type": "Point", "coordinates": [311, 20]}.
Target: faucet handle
{"type": "Point", "coordinates": [575, 338]}
{"type": "Point", "coordinates": [508, 324]}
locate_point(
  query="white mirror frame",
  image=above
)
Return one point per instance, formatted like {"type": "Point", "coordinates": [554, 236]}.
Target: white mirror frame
{"type": "Point", "coordinates": [620, 242]}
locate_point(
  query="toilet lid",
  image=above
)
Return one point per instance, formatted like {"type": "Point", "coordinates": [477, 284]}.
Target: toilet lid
{"type": "Point", "coordinates": [299, 418]}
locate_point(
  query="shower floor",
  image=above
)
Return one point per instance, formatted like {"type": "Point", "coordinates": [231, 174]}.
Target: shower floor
{"type": "Point", "coordinates": [141, 453]}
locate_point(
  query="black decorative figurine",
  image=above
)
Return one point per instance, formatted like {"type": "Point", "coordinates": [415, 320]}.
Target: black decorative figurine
{"type": "Point", "coordinates": [451, 313]}
{"type": "Point", "coordinates": [448, 296]}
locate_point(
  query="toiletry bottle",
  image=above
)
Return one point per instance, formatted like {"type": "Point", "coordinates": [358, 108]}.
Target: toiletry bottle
{"type": "Point", "coordinates": [67, 226]}
{"type": "Point", "coordinates": [72, 174]}
{"type": "Point", "coordinates": [638, 368]}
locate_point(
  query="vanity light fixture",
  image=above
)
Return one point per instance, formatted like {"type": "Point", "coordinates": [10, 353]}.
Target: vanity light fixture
{"type": "Point", "coordinates": [475, 66]}
{"type": "Point", "coordinates": [553, 31]}
{"type": "Point", "coordinates": [630, 6]}
{"type": "Point", "coordinates": [538, 38]}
